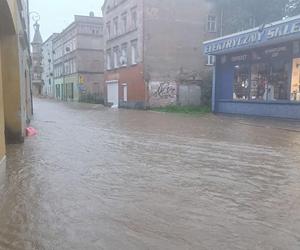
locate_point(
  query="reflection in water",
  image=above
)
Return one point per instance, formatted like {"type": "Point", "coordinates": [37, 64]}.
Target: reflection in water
{"type": "Point", "coordinates": [96, 178]}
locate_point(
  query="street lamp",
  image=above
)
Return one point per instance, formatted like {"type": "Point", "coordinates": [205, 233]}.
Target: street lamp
{"type": "Point", "coordinates": [35, 17]}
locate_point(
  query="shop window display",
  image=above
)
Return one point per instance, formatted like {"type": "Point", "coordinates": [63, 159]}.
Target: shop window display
{"type": "Point", "coordinates": [295, 86]}
{"type": "Point", "coordinates": [278, 85]}
{"type": "Point", "coordinates": [259, 81]}
{"type": "Point", "coordinates": [265, 78]}
{"type": "Point", "coordinates": [241, 82]}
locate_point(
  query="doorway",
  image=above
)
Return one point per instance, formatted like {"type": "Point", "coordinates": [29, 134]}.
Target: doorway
{"type": "Point", "coordinates": [113, 93]}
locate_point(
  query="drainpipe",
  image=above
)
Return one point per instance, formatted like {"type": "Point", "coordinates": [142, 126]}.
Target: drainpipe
{"type": "Point", "coordinates": [213, 97]}
{"type": "Point", "coordinates": [221, 21]}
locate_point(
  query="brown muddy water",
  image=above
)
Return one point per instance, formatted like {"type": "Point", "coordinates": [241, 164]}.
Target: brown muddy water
{"type": "Point", "coordinates": [96, 178]}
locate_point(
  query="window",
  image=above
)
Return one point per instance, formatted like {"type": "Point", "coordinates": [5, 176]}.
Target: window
{"type": "Point", "coordinates": [67, 68]}
{"type": "Point", "coordinates": [125, 92]}
{"type": "Point", "coordinates": [210, 60]}
{"type": "Point", "coordinates": [265, 78]}
{"type": "Point", "coordinates": [116, 26]}
{"type": "Point", "coordinates": [71, 67]}
{"type": "Point", "coordinates": [295, 85]}
{"type": "Point", "coordinates": [74, 66]}
{"type": "Point", "coordinates": [134, 52]}
{"type": "Point", "coordinates": [134, 18]}
{"type": "Point", "coordinates": [252, 22]}
{"type": "Point", "coordinates": [108, 59]}
{"type": "Point", "coordinates": [124, 22]}
{"type": "Point", "coordinates": [278, 84]}
{"type": "Point", "coordinates": [259, 81]}
{"type": "Point", "coordinates": [116, 57]}
{"type": "Point", "coordinates": [74, 43]}
{"type": "Point", "coordinates": [212, 24]}
{"type": "Point", "coordinates": [270, 81]}
{"type": "Point", "coordinates": [241, 82]}
{"type": "Point", "coordinates": [123, 59]}
{"type": "Point", "coordinates": [108, 31]}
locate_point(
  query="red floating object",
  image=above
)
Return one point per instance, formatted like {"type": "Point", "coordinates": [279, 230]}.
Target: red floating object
{"type": "Point", "coordinates": [31, 132]}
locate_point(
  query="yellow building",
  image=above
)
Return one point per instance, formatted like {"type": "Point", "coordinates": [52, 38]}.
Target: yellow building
{"type": "Point", "coordinates": [15, 85]}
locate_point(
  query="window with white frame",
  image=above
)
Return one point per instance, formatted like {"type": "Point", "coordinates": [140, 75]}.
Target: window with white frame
{"type": "Point", "coordinates": [134, 18]}
{"type": "Point", "coordinates": [74, 66]}
{"type": "Point", "coordinates": [67, 68]}
{"type": "Point", "coordinates": [71, 67]}
{"type": "Point", "coordinates": [116, 57]}
{"type": "Point", "coordinates": [108, 31]}
{"type": "Point", "coordinates": [210, 60]}
{"type": "Point", "coordinates": [212, 23]}
{"type": "Point", "coordinates": [124, 22]}
{"type": "Point", "coordinates": [134, 52]}
{"type": "Point", "coordinates": [74, 43]}
{"type": "Point", "coordinates": [116, 26]}
{"type": "Point", "coordinates": [125, 92]}
{"type": "Point", "coordinates": [123, 58]}
{"type": "Point", "coordinates": [108, 59]}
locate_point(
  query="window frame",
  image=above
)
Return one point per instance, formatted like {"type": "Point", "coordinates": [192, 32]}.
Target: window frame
{"type": "Point", "coordinates": [134, 52]}
{"type": "Point", "coordinates": [212, 24]}
{"type": "Point", "coordinates": [134, 17]}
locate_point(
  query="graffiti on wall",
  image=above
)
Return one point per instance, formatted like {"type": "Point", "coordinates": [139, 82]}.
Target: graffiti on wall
{"type": "Point", "coordinates": [165, 90]}
{"type": "Point", "coordinates": [162, 93]}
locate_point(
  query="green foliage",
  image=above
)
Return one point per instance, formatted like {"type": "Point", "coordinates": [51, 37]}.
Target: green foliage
{"type": "Point", "coordinates": [91, 98]}
{"type": "Point", "coordinates": [206, 91]}
{"type": "Point", "coordinates": [184, 109]}
{"type": "Point", "coordinates": [244, 14]}
{"type": "Point", "coordinates": [292, 8]}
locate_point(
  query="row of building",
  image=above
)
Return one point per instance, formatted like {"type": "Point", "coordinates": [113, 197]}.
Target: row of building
{"type": "Point", "coordinates": [153, 53]}
{"type": "Point", "coordinates": [140, 54]}
{"type": "Point", "coordinates": [15, 71]}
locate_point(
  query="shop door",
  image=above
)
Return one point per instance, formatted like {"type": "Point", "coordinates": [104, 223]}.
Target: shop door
{"type": "Point", "coordinates": [113, 93]}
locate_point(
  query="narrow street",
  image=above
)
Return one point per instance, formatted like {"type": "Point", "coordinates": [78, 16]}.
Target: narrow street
{"type": "Point", "coordinates": [98, 178]}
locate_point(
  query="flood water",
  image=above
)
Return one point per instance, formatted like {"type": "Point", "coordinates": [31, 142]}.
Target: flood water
{"type": "Point", "coordinates": [96, 178]}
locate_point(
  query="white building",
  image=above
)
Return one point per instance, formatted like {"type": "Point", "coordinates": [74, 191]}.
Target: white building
{"type": "Point", "coordinates": [48, 74]}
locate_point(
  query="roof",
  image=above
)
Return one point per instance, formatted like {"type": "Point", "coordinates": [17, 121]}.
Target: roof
{"type": "Point", "coordinates": [51, 37]}
{"type": "Point", "coordinates": [37, 39]}
{"type": "Point", "coordinates": [273, 33]}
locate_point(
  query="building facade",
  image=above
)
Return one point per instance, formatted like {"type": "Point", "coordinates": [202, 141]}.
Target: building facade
{"type": "Point", "coordinates": [257, 71]}
{"type": "Point", "coordinates": [153, 51]}
{"type": "Point", "coordinates": [15, 64]}
{"type": "Point", "coordinates": [48, 67]}
{"type": "Point", "coordinates": [37, 58]}
{"type": "Point", "coordinates": [79, 61]}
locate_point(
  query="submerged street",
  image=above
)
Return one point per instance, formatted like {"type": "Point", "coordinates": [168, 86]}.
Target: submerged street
{"type": "Point", "coordinates": [98, 178]}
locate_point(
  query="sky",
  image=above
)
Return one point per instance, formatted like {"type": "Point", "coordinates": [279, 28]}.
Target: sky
{"type": "Point", "coordinates": [58, 14]}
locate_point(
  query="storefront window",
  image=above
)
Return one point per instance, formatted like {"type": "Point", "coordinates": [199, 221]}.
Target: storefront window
{"type": "Point", "coordinates": [241, 82]}
{"type": "Point", "coordinates": [264, 75]}
{"type": "Point", "coordinates": [278, 85]}
{"type": "Point", "coordinates": [259, 81]}
{"type": "Point", "coordinates": [295, 86]}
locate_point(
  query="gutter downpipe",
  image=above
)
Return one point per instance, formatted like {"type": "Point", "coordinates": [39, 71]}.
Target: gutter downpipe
{"type": "Point", "coordinates": [213, 97]}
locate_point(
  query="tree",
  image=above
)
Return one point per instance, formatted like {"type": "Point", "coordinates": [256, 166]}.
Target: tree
{"type": "Point", "coordinates": [292, 8]}
{"type": "Point", "coordinates": [244, 14]}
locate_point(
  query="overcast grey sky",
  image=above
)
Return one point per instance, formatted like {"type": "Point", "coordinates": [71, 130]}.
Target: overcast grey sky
{"type": "Point", "coordinates": [58, 14]}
